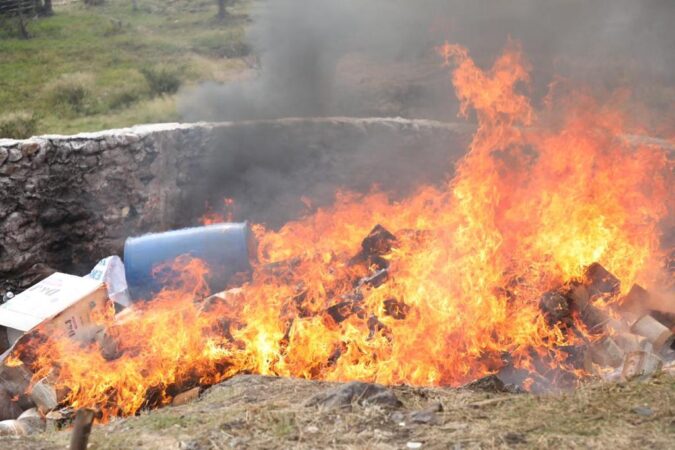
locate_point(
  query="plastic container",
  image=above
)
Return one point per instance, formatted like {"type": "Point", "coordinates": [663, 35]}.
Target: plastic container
{"type": "Point", "coordinates": [226, 248]}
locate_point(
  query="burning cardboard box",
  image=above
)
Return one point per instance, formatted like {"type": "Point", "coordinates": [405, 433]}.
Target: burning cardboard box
{"type": "Point", "coordinates": [59, 303]}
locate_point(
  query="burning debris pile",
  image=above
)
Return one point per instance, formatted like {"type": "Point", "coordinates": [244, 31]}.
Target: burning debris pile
{"type": "Point", "coordinates": [527, 265]}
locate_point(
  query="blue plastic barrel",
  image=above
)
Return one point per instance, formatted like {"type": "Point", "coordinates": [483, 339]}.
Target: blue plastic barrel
{"type": "Point", "coordinates": [226, 248]}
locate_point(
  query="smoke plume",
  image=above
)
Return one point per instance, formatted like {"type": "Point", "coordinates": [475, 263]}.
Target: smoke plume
{"type": "Point", "coordinates": [376, 57]}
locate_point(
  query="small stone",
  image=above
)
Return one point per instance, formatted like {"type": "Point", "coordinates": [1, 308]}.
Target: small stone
{"type": "Point", "coordinates": [4, 154]}
{"type": "Point", "coordinates": [427, 415]}
{"type": "Point", "coordinates": [29, 148]}
{"type": "Point", "coordinates": [53, 216]}
{"type": "Point", "coordinates": [423, 417]}
{"type": "Point", "coordinates": [89, 162]}
{"type": "Point", "coordinates": [111, 141]}
{"type": "Point", "coordinates": [492, 383]}
{"type": "Point", "coordinates": [15, 222]}
{"type": "Point", "coordinates": [515, 438]}
{"type": "Point", "coordinates": [91, 148]}
{"type": "Point", "coordinates": [15, 155]}
{"type": "Point", "coordinates": [311, 429]}
{"type": "Point", "coordinates": [643, 411]}
{"type": "Point", "coordinates": [131, 138]}
{"type": "Point", "coordinates": [413, 445]}
{"type": "Point", "coordinates": [361, 393]}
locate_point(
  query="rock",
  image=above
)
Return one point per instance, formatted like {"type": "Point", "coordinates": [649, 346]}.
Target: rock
{"type": "Point", "coordinates": [29, 148]}
{"type": "Point", "coordinates": [492, 383]}
{"type": "Point", "coordinates": [89, 162]}
{"type": "Point", "coordinates": [53, 216]}
{"type": "Point", "coordinates": [4, 155]}
{"type": "Point", "coordinates": [91, 148]}
{"type": "Point", "coordinates": [15, 222]}
{"type": "Point", "coordinates": [427, 415]}
{"type": "Point", "coordinates": [311, 429]}
{"type": "Point", "coordinates": [355, 392]}
{"type": "Point", "coordinates": [514, 438]}
{"type": "Point", "coordinates": [15, 155]}
{"type": "Point", "coordinates": [643, 411]}
{"type": "Point", "coordinates": [186, 397]}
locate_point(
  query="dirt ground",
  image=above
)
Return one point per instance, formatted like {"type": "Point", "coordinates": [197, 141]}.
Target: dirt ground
{"type": "Point", "coordinates": [263, 412]}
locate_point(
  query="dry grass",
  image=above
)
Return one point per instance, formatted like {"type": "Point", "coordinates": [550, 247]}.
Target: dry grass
{"type": "Point", "coordinates": [260, 412]}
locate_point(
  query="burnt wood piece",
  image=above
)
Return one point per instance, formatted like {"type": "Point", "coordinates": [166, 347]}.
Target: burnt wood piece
{"type": "Point", "coordinates": [378, 242]}
{"type": "Point", "coordinates": [396, 309]}
{"type": "Point", "coordinates": [375, 280]}
{"type": "Point", "coordinates": [555, 307]}
{"type": "Point", "coordinates": [343, 310]}
{"type": "Point", "coordinates": [375, 327]}
{"type": "Point", "coordinates": [84, 418]}
{"type": "Point", "coordinates": [599, 281]}
{"type": "Point", "coordinates": [594, 319]}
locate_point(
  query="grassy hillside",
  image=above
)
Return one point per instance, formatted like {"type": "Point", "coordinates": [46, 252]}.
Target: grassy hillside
{"type": "Point", "coordinates": [89, 68]}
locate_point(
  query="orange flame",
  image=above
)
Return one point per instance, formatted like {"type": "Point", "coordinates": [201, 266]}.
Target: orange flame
{"type": "Point", "coordinates": [212, 217]}
{"type": "Point", "coordinates": [536, 199]}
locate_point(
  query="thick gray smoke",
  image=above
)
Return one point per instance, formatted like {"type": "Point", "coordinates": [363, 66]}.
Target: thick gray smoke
{"type": "Point", "coordinates": [376, 57]}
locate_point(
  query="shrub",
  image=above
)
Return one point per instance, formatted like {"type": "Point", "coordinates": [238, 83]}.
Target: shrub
{"type": "Point", "coordinates": [230, 44]}
{"type": "Point", "coordinates": [71, 92]}
{"type": "Point", "coordinates": [19, 125]}
{"type": "Point", "coordinates": [161, 80]}
{"type": "Point", "coordinates": [135, 89]}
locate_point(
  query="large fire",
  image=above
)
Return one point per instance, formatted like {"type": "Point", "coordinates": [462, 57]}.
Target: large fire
{"type": "Point", "coordinates": [539, 196]}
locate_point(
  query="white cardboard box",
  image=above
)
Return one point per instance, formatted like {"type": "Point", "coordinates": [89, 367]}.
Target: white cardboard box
{"type": "Point", "coordinates": [59, 302]}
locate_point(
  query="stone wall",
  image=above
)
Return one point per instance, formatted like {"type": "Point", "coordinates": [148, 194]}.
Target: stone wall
{"type": "Point", "coordinates": [66, 201]}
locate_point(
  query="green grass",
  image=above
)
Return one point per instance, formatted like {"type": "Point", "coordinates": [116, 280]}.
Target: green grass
{"type": "Point", "coordinates": [100, 54]}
